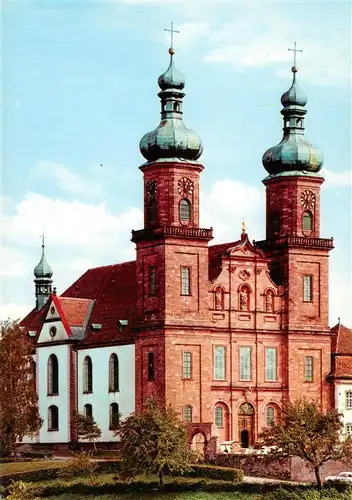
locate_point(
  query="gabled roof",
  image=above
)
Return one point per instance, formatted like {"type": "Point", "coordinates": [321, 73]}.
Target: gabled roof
{"type": "Point", "coordinates": [114, 292]}
{"type": "Point", "coordinates": [341, 339]}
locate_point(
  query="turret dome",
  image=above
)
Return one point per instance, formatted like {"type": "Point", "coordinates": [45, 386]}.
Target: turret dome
{"type": "Point", "coordinates": [42, 269]}
{"type": "Point", "coordinates": [294, 153]}
{"type": "Point", "coordinates": [171, 139]}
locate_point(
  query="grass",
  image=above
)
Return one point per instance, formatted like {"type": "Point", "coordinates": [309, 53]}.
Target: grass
{"type": "Point", "coordinates": [186, 495]}
{"type": "Point", "coordinates": [14, 467]}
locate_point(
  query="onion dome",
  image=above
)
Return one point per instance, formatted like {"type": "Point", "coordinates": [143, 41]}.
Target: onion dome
{"type": "Point", "coordinates": [294, 152]}
{"type": "Point", "coordinates": [42, 269]}
{"type": "Point", "coordinates": [171, 139]}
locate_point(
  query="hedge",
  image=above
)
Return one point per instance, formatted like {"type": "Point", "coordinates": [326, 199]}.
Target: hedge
{"type": "Point", "coordinates": [215, 472]}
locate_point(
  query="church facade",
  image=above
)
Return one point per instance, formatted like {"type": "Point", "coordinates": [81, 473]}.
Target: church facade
{"type": "Point", "coordinates": [226, 333]}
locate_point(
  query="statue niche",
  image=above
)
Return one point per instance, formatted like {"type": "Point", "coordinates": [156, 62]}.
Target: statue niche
{"type": "Point", "coordinates": [269, 301]}
{"type": "Point", "coordinates": [244, 298]}
{"type": "Point", "coordinates": [219, 297]}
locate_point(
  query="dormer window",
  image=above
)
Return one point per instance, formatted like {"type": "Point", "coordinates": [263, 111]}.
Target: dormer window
{"type": "Point", "coordinates": [185, 211]}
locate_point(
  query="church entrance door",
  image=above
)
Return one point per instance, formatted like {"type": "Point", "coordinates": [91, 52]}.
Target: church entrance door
{"type": "Point", "coordinates": [246, 425]}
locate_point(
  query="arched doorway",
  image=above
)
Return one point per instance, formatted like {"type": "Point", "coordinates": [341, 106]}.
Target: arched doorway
{"type": "Point", "coordinates": [244, 438]}
{"type": "Point", "coordinates": [246, 425]}
{"type": "Point", "coordinates": [198, 444]}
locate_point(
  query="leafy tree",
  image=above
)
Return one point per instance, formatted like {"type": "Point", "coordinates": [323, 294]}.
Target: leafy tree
{"type": "Point", "coordinates": [19, 415]}
{"type": "Point", "coordinates": [87, 428]}
{"type": "Point", "coordinates": [154, 441]}
{"type": "Point", "coordinates": [309, 433]}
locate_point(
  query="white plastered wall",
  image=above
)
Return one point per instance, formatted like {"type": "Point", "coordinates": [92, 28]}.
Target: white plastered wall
{"type": "Point", "coordinates": [341, 387]}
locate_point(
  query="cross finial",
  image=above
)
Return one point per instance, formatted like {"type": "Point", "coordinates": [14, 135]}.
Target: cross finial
{"type": "Point", "coordinates": [295, 50]}
{"type": "Point", "coordinates": [172, 31]}
{"type": "Point", "coordinates": [43, 238]}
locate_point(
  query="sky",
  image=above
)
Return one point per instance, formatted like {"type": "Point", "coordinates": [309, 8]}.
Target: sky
{"type": "Point", "coordinates": [79, 90]}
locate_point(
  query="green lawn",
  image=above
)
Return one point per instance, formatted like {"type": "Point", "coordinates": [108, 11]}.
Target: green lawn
{"type": "Point", "coordinates": [197, 495]}
{"type": "Point", "coordinates": [13, 467]}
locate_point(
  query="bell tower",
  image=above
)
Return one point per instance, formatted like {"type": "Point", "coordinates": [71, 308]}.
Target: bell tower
{"type": "Point", "coordinates": [43, 279]}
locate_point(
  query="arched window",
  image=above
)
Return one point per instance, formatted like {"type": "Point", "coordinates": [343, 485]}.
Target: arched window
{"type": "Point", "coordinates": [88, 411]}
{"type": "Point", "coordinates": [185, 211]}
{"type": "Point", "coordinates": [219, 416]}
{"type": "Point", "coordinates": [307, 221]}
{"type": "Point", "coordinates": [87, 375]}
{"type": "Point", "coordinates": [152, 210]}
{"type": "Point", "coordinates": [53, 375]}
{"type": "Point", "coordinates": [114, 416]}
{"type": "Point", "coordinates": [187, 414]}
{"type": "Point", "coordinates": [270, 416]}
{"type": "Point", "coordinates": [53, 418]}
{"type": "Point", "coordinates": [113, 373]}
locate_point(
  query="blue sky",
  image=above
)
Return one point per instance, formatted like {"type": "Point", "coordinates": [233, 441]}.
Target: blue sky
{"type": "Point", "coordinates": [80, 90]}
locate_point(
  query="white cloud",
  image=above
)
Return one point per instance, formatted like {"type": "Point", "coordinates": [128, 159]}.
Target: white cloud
{"type": "Point", "coordinates": [69, 181]}
{"type": "Point", "coordinates": [337, 179]}
{"type": "Point", "coordinates": [14, 311]}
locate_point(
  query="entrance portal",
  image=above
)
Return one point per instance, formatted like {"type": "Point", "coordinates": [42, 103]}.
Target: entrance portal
{"type": "Point", "coordinates": [244, 438]}
{"type": "Point", "coordinates": [246, 424]}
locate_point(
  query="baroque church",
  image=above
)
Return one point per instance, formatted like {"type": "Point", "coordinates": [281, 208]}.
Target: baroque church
{"type": "Point", "coordinates": [226, 333]}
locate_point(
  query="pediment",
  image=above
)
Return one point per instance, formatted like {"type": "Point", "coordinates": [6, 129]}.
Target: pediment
{"type": "Point", "coordinates": [244, 248]}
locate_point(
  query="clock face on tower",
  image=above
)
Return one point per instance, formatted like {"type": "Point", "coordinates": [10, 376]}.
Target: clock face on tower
{"type": "Point", "coordinates": [185, 186]}
{"type": "Point", "coordinates": [307, 199]}
{"type": "Point", "coordinates": [151, 188]}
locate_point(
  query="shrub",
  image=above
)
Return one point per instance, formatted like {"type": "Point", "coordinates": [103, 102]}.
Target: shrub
{"type": "Point", "coordinates": [20, 491]}
{"type": "Point", "coordinates": [80, 464]}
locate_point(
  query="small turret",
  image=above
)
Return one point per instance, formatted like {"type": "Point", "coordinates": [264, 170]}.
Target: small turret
{"type": "Point", "coordinates": [43, 282]}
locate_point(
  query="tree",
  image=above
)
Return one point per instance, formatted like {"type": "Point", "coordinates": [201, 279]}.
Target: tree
{"type": "Point", "coordinates": [309, 433]}
{"type": "Point", "coordinates": [19, 415]}
{"type": "Point", "coordinates": [87, 428]}
{"type": "Point", "coordinates": [154, 441]}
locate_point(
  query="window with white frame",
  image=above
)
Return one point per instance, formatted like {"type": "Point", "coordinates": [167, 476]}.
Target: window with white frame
{"type": "Point", "coordinates": [187, 364]}
{"type": "Point", "coordinates": [245, 363]}
{"type": "Point", "coordinates": [348, 429]}
{"type": "Point", "coordinates": [348, 400]}
{"type": "Point", "coordinates": [270, 364]}
{"type": "Point", "coordinates": [308, 288]}
{"type": "Point", "coordinates": [185, 281]}
{"type": "Point", "coordinates": [219, 362]}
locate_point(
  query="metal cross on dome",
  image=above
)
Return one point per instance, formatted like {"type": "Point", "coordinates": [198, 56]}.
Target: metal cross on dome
{"type": "Point", "coordinates": [43, 238]}
{"type": "Point", "coordinates": [172, 31]}
{"type": "Point", "coordinates": [295, 50]}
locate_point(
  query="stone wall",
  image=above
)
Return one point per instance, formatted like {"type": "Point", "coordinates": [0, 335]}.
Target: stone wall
{"type": "Point", "coordinates": [256, 465]}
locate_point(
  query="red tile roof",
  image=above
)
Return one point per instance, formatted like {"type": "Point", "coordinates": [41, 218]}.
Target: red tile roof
{"type": "Point", "coordinates": [343, 366]}
{"type": "Point", "coordinates": [215, 252]}
{"type": "Point", "coordinates": [114, 291]}
{"type": "Point", "coordinates": [341, 339]}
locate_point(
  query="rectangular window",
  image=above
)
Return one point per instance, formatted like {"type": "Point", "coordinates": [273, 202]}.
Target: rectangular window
{"type": "Point", "coordinates": [187, 365]}
{"type": "Point", "coordinates": [308, 288]}
{"type": "Point", "coordinates": [185, 281]}
{"type": "Point", "coordinates": [270, 364]}
{"type": "Point", "coordinates": [152, 281]}
{"type": "Point", "coordinates": [151, 374]}
{"type": "Point", "coordinates": [219, 362]}
{"type": "Point", "coordinates": [245, 363]}
{"type": "Point", "coordinates": [349, 400]}
{"type": "Point", "coordinates": [308, 369]}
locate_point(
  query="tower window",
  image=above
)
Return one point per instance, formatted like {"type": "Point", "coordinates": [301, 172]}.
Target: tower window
{"type": "Point", "coordinates": [270, 416]}
{"type": "Point", "coordinates": [187, 414]}
{"type": "Point", "coordinates": [152, 211]}
{"type": "Point", "coordinates": [307, 288]}
{"type": "Point", "coordinates": [187, 365]}
{"type": "Point", "coordinates": [53, 376]}
{"type": "Point", "coordinates": [308, 369]}
{"type": "Point", "coordinates": [185, 211]}
{"type": "Point", "coordinates": [219, 416]}
{"type": "Point", "coordinates": [185, 281]}
{"type": "Point", "coordinates": [152, 281]}
{"type": "Point", "coordinates": [113, 373]}
{"type": "Point", "coordinates": [176, 106]}
{"type": "Point", "coordinates": [274, 221]}
{"type": "Point", "coordinates": [53, 418]}
{"type": "Point", "coordinates": [151, 374]}
{"type": "Point", "coordinates": [87, 375]}
{"type": "Point", "coordinates": [307, 221]}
